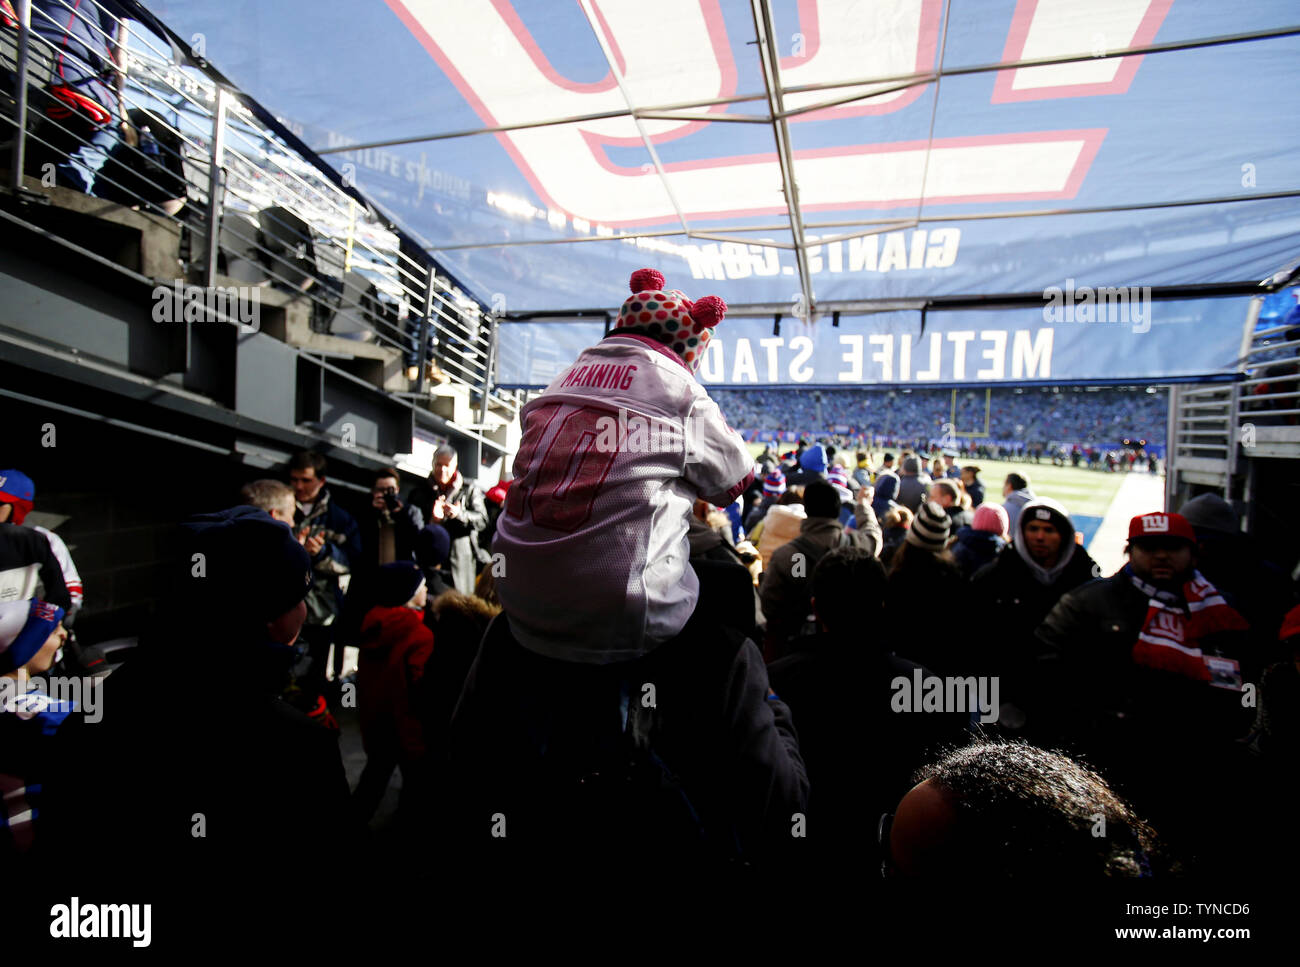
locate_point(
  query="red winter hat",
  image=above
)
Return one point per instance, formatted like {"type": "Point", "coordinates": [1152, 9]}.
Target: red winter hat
{"type": "Point", "coordinates": [1160, 525]}
{"type": "Point", "coordinates": [667, 316]}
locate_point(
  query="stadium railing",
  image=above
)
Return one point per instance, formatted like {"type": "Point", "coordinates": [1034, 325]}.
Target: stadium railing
{"type": "Point", "coordinates": [249, 210]}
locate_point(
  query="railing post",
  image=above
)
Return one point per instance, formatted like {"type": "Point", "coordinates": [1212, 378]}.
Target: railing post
{"type": "Point", "coordinates": [487, 371]}
{"type": "Point", "coordinates": [426, 328]}
{"type": "Point", "coordinates": [216, 160]}
{"type": "Point", "coordinates": [19, 158]}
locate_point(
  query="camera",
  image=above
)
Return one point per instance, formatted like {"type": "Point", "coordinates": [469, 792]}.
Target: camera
{"type": "Point", "coordinates": [391, 501]}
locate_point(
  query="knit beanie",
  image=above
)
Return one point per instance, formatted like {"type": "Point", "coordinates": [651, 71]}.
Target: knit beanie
{"type": "Point", "coordinates": [930, 528]}
{"type": "Point", "coordinates": [814, 459]}
{"type": "Point", "coordinates": [1211, 512]}
{"type": "Point", "coordinates": [433, 546]}
{"type": "Point", "coordinates": [837, 475]}
{"type": "Point", "coordinates": [774, 484]}
{"type": "Point", "coordinates": [991, 518]}
{"type": "Point", "coordinates": [397, 583]}
{"type": "Point", "coordinates": [25, 626]}
{"type": "Point", "coordinates": [669, 317]}
{"type": "Point", "coordinates": [252, 567]}
{"type": "Point", "coordinates": [16, 488]}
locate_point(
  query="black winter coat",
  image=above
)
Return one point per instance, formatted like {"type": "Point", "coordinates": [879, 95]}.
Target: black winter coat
{"type": "Point", "coordinates": [1012, 603]}
{"type": "Point", "coordinates": [731, 745]}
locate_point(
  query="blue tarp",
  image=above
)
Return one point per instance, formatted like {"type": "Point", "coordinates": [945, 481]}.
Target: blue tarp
{"type": "Point", "coordinates": [1166, 127]}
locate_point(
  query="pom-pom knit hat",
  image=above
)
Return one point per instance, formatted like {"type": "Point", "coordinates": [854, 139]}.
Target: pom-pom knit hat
{"type": "Point", "coordinates": [668, 317]}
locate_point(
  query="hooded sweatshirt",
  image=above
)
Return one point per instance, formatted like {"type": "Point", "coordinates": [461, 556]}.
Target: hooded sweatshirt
{"type": "Point", "coordinates": [1044, 508]}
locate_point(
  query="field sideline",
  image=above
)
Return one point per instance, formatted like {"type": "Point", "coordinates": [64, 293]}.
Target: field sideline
{"type": "Point", "coordinates": [1085, 493]}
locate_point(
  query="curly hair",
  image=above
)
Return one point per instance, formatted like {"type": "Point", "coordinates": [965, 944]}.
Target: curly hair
{"type": "Point", "coordinates": [1025, 812]}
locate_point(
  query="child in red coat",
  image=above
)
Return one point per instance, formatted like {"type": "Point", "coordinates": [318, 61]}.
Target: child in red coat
{"type": "Point", "coordinates": [395, 645]}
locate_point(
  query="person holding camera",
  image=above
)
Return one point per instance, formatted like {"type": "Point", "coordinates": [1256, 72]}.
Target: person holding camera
{"type": "Point", "coordinates": [388, 526]}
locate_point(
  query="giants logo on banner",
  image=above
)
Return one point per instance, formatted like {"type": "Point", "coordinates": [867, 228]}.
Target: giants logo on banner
{"type": "Point", "coordinates": [486, 50]}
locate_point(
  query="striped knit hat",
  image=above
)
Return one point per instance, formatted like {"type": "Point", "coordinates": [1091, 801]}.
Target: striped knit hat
{"type": "Point", "coordinates": [930, 528]}
{"type": "Point", "coordinates": [774, 484]}
{"type": "Point", "coordinates": [837, 475]}
{"type": "Point", "coordinates": [667, 316]}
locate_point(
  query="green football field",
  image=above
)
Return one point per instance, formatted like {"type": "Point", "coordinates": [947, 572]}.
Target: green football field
{"type": "Point", "coordinates": [1085, 493]}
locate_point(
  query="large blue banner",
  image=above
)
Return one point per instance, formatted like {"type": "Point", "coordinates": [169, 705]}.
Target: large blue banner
{"type": "Point", "coordinates": [463, 85]}
{"type": "Point", "coordinates": [1077, 336]}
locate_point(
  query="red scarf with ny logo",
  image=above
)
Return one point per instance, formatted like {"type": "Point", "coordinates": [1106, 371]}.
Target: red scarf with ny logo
{"type": "Point", "coordinates": [1171, 635]}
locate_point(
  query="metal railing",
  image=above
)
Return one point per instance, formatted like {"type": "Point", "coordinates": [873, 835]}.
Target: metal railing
{"type": "Point", "coordinates": [250, 210]}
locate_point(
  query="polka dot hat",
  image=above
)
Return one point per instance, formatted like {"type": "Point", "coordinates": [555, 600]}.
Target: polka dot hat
{"type": "Point", "coordinates": [669, 317]}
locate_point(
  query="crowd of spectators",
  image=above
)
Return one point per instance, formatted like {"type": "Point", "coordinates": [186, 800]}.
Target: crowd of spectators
{"type": "Point", "coordinates": [813, 614]}
{"type": "Point", "coordinates": [1030, 416]}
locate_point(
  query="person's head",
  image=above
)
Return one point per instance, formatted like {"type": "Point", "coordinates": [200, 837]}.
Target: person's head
{"type": "Point", "coordinates": [1012, 811]}
{"type": "Point", "coordinates": [888, 461]}
{"type": "Point", "coordinates": [820, 499]}
{"type": "Point", "coordinates": [813, 459]}
{"type": "Point", "coordinates": [247, 575]}
{"type": "Point", "coordinates": [387, 481]}
{"type": "Point", "coordinates": [668, 317]}
{"type": "Point", "coordinates": [970, 475]}
{"type": "Point", "coordinates": [792, 495]}
{"type": "Point", "coordinates": [897, 516]}
{"type": "Point", "coordinates": [945, 493]}
{"type": "Point", "coordinates": [444, 465]}
{"type": "Point", "coordinates": [1014, 482]}
{"type": "Point", "coordinates": [936, 467]}
{"type": "Point", "coordinates": [848, 586]}
{"type": "Point", "coordinates": [1162, 549]}
{"type": "Point", "coordinates": [400, 585]}
{"type": "Point", "coordinates": [1211, 515]}
{"type": "Point", "coordinates": [433, 546]}
{"type": "Point", "coordinates": [949, 458]}
{"type": "Point", "coordinates": [929, 530]}
{"type": "Point", "coordinates": [17, 494]}
{"type": "Point", "coordinates": [910, 467]}
{"type": "Point", "coordinates": [31, 634]}
{"type": "Point", "coordinates": [272, 496]}
{"type": "Point", "coordinates": [1045, 535]}
{"type": "Point", "coordinates": [991, 519]}
{"type": "Point", "coordinates": [774, 484]}
{"type": "Point", "coordinates": [306, 475]}
{"type": "Point", "coordinates": [863, 460]}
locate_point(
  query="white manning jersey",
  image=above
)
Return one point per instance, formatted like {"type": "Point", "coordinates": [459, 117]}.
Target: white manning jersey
{"type": "Point", "coordinates": [595, 560]}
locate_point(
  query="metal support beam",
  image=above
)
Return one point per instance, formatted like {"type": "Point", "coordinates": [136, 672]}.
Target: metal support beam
{"type": "Point", "coordinates": [770, 61]}
{"type": "Point", "coordinates": [216, 161]}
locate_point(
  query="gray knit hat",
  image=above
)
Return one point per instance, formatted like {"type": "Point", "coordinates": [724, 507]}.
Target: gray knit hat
{"type": "Point", "coordinates": [930, 528]}
{"type": "Point", "coordinates": [1210, 512]}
